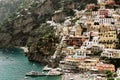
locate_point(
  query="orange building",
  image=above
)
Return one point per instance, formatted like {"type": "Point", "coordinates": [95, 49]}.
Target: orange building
{"type": "Point", "coordinates": [104, 67]}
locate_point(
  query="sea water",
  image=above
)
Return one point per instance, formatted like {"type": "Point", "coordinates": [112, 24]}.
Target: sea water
{"type": "Point", "coordinates": [14, 65]}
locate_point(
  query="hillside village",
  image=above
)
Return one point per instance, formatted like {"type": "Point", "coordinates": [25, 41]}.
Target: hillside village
{"type": "Point", "coordinates": [88, 39]}
{"type": "Point", "coordinates": [75, 40]}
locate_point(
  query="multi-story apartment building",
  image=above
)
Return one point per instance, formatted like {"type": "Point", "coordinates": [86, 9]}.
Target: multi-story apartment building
{"type": "Point", "coordinates": [109, 39]}
{"type": "Point", "coordinates": [81, 53]}
{"type": "Point", "coordinates": [111, 53]}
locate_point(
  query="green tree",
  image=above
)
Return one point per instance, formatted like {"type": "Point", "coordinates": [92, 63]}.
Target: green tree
{"type": "Point", "coordinates": [109, 75]}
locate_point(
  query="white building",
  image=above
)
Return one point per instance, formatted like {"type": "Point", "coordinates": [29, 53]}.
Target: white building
{"type": "Point", "coordinates": [81, 53]}
{"type": "Point", "coordinates": [94, 12]}
{"type": "Point", "coordinates": [118, 71]}
{"type": "Point", "coordinates": [111, 53]}
{"type": "Point", "coordinates": [118, 30]}
{"type": "Point", "coordinates": [118, 10]}
{"type": "Point", "coordinates": [95, 39]}
{"type": "Point", "coordinates": [104, 20]}
{"type": "Point", "coordinates": [87, 44]}
{"type": "Point", "coordinates": [83, 19]}
{"type": "Point", "coordinates": [67, 22]}
{"type": "Point", "coordinates": [97, 47]}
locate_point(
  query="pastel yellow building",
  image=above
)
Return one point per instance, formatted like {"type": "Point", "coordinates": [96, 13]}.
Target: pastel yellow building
{"type": "Point", "coordinates": [108, 39]}
{"type": "Point", "coordinates": [68, 50]}
{"type": "Point", "coordinates": [88, 64]}
{"type": "Point", "coordinates": [78, 31]}
{"type": "Point", "coordinates": [65, 30]}
{"type": "Point", "coordinates": [94, 28]}
{"type": "Point", "coordinates": [104, 28]}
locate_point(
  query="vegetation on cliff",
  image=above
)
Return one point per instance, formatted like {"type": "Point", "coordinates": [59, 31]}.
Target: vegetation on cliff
{"type": "Point", "coordinates": [45, 44]}
{"type": "Point", "coordinates": [27, 27]}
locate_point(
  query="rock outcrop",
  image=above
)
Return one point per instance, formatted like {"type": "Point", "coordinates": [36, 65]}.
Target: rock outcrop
{"type": "Point", "coordinates": [29, 29]}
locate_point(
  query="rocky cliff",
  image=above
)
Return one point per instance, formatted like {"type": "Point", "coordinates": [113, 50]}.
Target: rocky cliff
{"type": "Point", "coordinates": [28, 28]}
{"type": "Point", "coordinates": [18, 30]}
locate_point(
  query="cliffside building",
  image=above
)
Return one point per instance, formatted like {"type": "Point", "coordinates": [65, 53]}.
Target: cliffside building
{"type": "Point", "coordinates": [108, 39]}
{"type": "Point", "coordinates": [111, 53]}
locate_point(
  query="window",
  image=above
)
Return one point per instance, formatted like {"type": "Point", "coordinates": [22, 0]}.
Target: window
{"type": "Point", "coordinates": [112, 23]}
{"type": "Point", "coordinates": [110, 35]}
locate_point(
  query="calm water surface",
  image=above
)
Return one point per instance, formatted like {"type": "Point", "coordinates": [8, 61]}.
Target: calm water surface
{"type": "Point", "coordinates": [14, 65]}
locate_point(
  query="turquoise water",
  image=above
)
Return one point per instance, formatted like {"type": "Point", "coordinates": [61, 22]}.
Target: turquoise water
{"type": "Point", "coordinates": [14, 65]}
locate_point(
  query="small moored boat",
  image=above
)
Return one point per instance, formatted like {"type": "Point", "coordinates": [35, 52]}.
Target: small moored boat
{"type": "Point", "coordinates": [35, 73]}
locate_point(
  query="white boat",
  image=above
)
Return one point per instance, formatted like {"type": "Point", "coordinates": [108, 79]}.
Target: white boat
{"type": "Point", "coordinates": [25, 77]}
{"type": "Point", "coordinates": [46, 68]}
{"type": "Point", "coordinates": [35, 73]}
{"type": "Point", "coordinates": [54, 72]}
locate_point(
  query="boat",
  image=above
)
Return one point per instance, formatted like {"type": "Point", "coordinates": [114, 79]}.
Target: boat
{"type": "Point", "coordinates": [25, 77]}
{"type": "Point", "coordinates": [54, 72]}
{"type": "Point", "coordinates": [50, 73]}
{"type": "Point", "coordinates": [35, 73]}
{"type": "Point", "coordinates": [46, 68]}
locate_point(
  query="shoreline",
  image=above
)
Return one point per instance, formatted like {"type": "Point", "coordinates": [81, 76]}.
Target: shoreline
{"type": "Point", "coordinates": [25, 49]}
{"type": "Point", "coordinates": [79, 76]}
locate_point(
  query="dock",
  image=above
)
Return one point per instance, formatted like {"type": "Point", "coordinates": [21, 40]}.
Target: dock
{"type": "Point", "coordinates": [50, 73]}
{"type": "Point", "coordinates": [46, 68]}
{"type": "Point", "coordinates": [34, 73]}
{"type": "Point", "coordinates": [54, 72]}
{"type": "Point", "coordinates": [77, 76]}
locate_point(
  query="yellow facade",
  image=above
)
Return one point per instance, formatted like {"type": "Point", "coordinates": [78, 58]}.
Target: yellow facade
{"type": "Point", "coordinates": [104, 28]}
{"type": "Point", "coordinates": [94, 28]}
{"type": "Point", "coordinates": [78, 31]}
{"type": "Point", "coordinates": [68, 51]}
{"type": "Point", "coordinates": [109, 39]}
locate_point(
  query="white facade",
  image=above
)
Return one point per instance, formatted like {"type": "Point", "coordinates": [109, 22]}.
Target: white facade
{"type": "Point", "coordinates": [67, 22]}
{"type": "Point", "coordinates": [100, 45]}
{"type": "Point", "coordinates": [95, 39]}
{"type": "Point", "coordinates": [118, 30]}
{"type": "Point", "coordinates": [87, 44]}
{"type": "Point", "coordinates": [111, 53]}
{"type": "Point", "coordinates": [104, 20]}
{"type": "Point", "coordinates": [118, 71]}
{"type": "Point", "coordinates": [118, 10]}
{"type": "Point", "coordinates": [106, 54]}
{"type": "Point", "coordinates": [94, 12]}
{"type": "Point", "coordinates": [83, 19]}
{"type": "Point", "coordinates": [81, 53]}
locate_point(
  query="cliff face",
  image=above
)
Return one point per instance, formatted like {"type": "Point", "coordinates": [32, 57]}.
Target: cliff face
{"type": "Point", "coordinates": [44, 44]}
{"type": "Point", "coordinates": [29, 28]}
{"type": "Point", "coordinates": [18, 31]}
{"type": "Point", "coordinates": [9, 7]}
